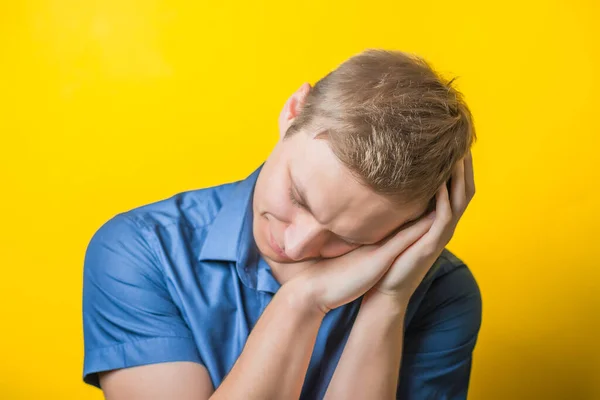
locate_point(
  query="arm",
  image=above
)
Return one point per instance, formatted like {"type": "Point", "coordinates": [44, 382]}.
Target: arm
{"type": "Point", "coordinates": [138, 346]}
{"type": "Point", "coordinates": [436, 354]}
{"type": "Point", "coordinates": [171, 380]}
{"type": "Point", "coordinates": [369, 365]}
{"type": "Point", "coordinates": [275, 358]}
{"type": "Point", "coordinates": [273, 364]}
{"type": "Point", "coordinates": [136, 343]}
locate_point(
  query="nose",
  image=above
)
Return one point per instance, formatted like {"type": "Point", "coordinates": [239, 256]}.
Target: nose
{"type": "Point", "coordinates": [302, 239]}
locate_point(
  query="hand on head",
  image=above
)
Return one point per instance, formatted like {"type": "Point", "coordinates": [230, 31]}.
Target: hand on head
{"type": "Point", "coordinates": [397, 265]}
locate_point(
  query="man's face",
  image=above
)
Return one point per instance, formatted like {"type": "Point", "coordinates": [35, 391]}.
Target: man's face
{"type": "Point", "coordinates": [307, 205]}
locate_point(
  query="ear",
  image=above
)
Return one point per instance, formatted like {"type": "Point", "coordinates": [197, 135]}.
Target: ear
{"type": "Point", "coordinates": [292, 108]}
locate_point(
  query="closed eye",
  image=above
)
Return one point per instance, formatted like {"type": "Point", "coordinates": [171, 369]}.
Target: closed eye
{"type": "Point", "coordinates": [293, 199]}
{"type": "Point", "coordinates": [297, 203]}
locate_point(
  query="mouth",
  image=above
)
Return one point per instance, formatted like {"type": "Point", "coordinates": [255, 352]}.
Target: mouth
{"type": "Point", "coordinates": [275, 247]}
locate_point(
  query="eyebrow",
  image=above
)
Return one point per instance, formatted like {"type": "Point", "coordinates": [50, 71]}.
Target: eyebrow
{"type": "Point", "coordinates": [299, 189]}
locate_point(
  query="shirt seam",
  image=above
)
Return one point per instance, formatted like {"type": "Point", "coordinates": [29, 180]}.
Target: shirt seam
{"type": "Point", "coordinates": [147, 232]}
{"type": "Point", "coordinates": [161, 260]}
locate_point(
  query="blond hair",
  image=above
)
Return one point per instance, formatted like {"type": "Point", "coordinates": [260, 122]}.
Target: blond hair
{"type": "Point", "coordinates": [395, 123]}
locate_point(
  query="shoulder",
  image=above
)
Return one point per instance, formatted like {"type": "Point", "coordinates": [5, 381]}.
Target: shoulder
{"type": "Point", "coordinates": [445, 263]}
{"type": "Point", "coordinates": [194, 209]}
{"type": "Point", "coordinates": [145, 240]}
{"type": "Point", "coordinates": [451, 276]}
{"type": "Point", "coordinates": [440, 338]}
{"type": "Point", "coordinates": [176, 215]}
{"type": "Point", "coordinates": [448, 263]}
{"type": "Point", "coordinates": [453, 296]}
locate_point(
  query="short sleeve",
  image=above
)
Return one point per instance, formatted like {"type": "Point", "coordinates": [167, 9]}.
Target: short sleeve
{"type": "Point", "coordinates": [438, 346]}
{"type": "Point", "coordinates": [129, 318]}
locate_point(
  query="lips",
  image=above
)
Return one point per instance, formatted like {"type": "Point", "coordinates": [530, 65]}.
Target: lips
{"type": "Point", "coordinates": [276, 247]}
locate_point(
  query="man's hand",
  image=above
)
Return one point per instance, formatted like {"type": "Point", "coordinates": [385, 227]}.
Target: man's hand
{"type": "Point", "coordinates": [370, 363]}
{"type": "Point", "coordinates": [330, 283]}
{"type": "Point", "coordinates": [411, 266]}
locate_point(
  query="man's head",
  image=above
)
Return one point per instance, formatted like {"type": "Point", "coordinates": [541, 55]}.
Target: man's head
{"type": "Point", "coordinates": [361, 155]}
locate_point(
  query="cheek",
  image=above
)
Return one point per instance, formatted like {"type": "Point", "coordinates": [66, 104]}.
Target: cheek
{"type": "Point", "coordinates": [275, 216]}
{"type": "Point", "coordinates": [275, 202]}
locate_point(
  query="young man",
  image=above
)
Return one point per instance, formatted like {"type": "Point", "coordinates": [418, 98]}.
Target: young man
{"type": "Point", "coordinates": [321, 275]}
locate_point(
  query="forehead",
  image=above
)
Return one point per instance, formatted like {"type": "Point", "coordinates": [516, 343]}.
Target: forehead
{"type": "Point", "coordinates": [338, 200]}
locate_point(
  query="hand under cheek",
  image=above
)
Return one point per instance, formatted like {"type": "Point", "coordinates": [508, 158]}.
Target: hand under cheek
{"type": "Point", "coordinates": [337, 249]}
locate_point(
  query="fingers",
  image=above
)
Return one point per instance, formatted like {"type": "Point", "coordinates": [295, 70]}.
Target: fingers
{"type": "Point", "coordinates": [458, 196]}
{"type": "Point", "coordinates": [400, 241]}
{"type": "Point", "coordinates": [443, 218]}
{"type": "Point", "coordinates": [451, 206]}
{"type": "Point", "coordinates": [469, 177]}
{"type": "Point", "coordinates": [440, 226]}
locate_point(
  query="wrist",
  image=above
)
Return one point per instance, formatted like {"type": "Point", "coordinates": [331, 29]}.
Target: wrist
{"type": "Point", "coordinates": [300, 296]}
{"type": "Point", "coordinates": [392, 304]}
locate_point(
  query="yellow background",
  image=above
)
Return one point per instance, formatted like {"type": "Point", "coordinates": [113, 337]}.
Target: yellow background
{"type": "Point", "coordinates": [108, 105]}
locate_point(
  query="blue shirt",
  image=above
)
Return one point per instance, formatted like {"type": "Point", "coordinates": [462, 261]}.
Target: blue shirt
{"type": "Point", "coordinates": [181, 279]}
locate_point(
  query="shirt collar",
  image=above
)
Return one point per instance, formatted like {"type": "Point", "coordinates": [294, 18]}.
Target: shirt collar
{"type": "Point", "coordinates": [230, 237]}
{"type": "Point", "coordinates": [224, 235]}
